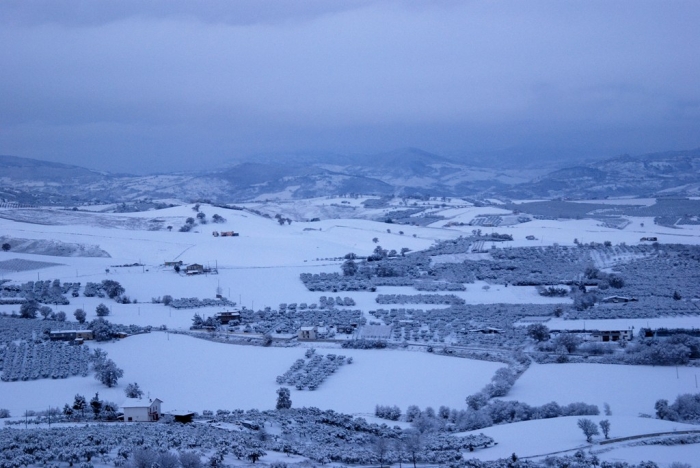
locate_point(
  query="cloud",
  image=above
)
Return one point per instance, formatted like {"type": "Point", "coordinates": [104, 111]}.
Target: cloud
{"type": "Point", "coordinates": [168, 80]}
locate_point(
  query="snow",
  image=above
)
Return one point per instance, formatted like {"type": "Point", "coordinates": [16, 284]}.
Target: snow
{"type": "Point", "coordinates": [629, 390]}
{"type": "Point", "coordinates": [664, 456]}
{"type": "Point", "coordinates": [548, 436]}
{"type": "Point", "coordinates": [476, 293]}
{"type": "Point", "coordinates": [261, 268]}
{"type": "Point", "coordinates": [187, 372]}
{"type": "Point", "coordinates": [624, 324]}
{"type": "Point", "coordinates": [627, 201]}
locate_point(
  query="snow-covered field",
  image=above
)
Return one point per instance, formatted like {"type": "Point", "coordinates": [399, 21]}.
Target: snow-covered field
{"type": "Point", "coordinates": [191, 373]}
{"type": "Point", "coordinates": [549, 436]}
{"type": "Point", "coordinates": [629, 390]}
{"type": "Point", "coordinates": [261, 268]}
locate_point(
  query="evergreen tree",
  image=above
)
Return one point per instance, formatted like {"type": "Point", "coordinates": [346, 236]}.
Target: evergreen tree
{"type": "Point", "coordinates": [133, 391]}
{"type": "Point", "coordinates": [96, 405]}
{"type": "Point", "coordinates": [349, 268]}
{"type": "Point", "coordinates": [79, 404]}
{"type": "Point", "coordinates": [102, 310]}
{"type": "Point", "coordinates": [284, 400]}
{"type": "Point", "coordinates": [113, 288]}
{"type": "Point", "coordinates": [109, 374]}
{"type": "Point", "coordinates": [80, 315]}
{"type": "Point", "coordinates": [45, 311]}
{"type": "Point", "coordinates": [29, 309]}
{"type": "Point", "coordinates": [538, 332]}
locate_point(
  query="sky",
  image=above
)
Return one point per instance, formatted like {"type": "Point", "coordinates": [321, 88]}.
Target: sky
{"type": "Point", "coordinates": [142, 86]}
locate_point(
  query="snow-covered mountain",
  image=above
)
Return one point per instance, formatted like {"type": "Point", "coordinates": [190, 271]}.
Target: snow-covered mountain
{"type": "Point", "coordinates": [404, 172]}
{"type": "Point", "coordinates": [655, 174]}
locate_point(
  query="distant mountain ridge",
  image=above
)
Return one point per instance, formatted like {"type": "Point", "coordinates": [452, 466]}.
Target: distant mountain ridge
{"type": "Point", "coordinates": [654, 174]}
{"type": "Point", "coordinates": [403, 172]}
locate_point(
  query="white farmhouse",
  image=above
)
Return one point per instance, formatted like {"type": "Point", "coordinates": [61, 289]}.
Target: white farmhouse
{"type": "Point", "coordinates": [308, 333]}
{"type": "Point", "coordinates": [141, 410]}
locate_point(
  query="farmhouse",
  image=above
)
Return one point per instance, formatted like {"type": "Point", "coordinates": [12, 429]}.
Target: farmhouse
{"type": "Point", "coordinates": [224, 234]}
{"type": "Point", "coordinates": [141, 410]}
{"type": "Point", "coordinates": [225, 317]}
{"type": "Point", "coordinates": [194, 269]}
{"type": "Point", "coordinates": [308, 333]}
{"type": "Point", "coordinates": [70, 335]}
{"type": "Point", "coordinates": [611, 335]}
{"type": "Point", "coordinates": [173, 264]}
{"type": "Point", "coordinates": [648, 239]}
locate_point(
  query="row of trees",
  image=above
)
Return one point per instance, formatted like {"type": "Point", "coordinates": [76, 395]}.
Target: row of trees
{"type": "Point", "coordinates": [590, 428]}
{"type": "Point", "coordinates": [43, 360]}
{"type": "Point", "coordinates": [482, 414]}
{"type": "Point", "coordinates": [686, 408]}
{"type": "Point", "coordinates": [311, 372]}
{"type": "Point", "coordinates": [45, 292]}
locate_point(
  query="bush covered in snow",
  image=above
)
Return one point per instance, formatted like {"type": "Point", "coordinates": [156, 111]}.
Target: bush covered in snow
{"type": "Point", "coordinates": [686, 408]}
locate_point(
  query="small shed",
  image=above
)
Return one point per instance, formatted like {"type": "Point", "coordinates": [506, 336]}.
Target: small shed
{"type": "Point", "coordinates": [308, 333]}
{"type": "Point", "coordinates": [181, 416]}
{"type": "Point", "coordinates": [142, 410]}
{"type": "Point", "coordinates": [618, 299]}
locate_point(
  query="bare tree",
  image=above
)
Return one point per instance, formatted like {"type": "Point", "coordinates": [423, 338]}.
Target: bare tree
{"type": "Point", "coordinates": [413, 445]}
{"type": "Point", "coordinates": [381, 448]}
{"type": "Point", "coordinates": [589, 428]}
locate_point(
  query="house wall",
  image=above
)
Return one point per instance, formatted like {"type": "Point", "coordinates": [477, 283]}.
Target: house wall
{"type": "Point", "coordinates": [136, 414]}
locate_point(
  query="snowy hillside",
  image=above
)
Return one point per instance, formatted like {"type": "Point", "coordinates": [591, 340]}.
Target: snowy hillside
{"type": "Point", "coordinates": [441, 348]}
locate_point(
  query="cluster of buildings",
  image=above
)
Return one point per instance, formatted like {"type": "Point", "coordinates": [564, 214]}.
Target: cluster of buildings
{"type": "Point", "coordinates": [191, 269]}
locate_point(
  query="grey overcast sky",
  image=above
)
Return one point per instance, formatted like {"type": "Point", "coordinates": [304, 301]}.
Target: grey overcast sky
{"type": "Point", "coordinates": [142, 85]}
